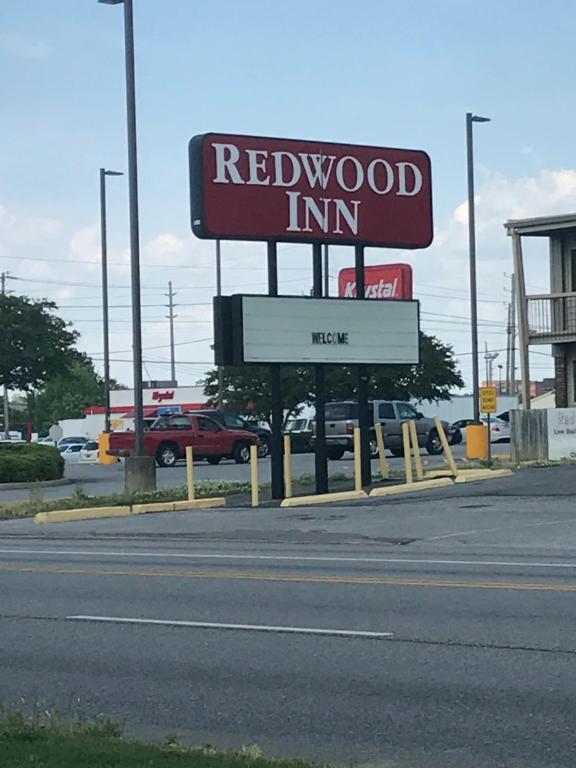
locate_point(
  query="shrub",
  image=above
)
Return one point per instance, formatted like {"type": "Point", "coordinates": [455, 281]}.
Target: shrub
{"type": "Point", "coordinates": [28, 463]}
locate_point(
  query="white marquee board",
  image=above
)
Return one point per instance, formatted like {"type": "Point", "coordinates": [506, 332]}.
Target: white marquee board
{"type": "Point", "coordinates": [338, 331]}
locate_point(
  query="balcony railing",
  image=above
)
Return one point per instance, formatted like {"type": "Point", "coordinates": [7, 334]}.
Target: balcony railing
{"type": "Point", "coordinates": [552, 317]}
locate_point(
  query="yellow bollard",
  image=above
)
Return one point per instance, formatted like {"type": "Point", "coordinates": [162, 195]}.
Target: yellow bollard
{"type": "Point", "coordinates": [190, 473]}
{"type": "Point", "coordinates": [407, 453]}
{"type": "Point", "coordinates": [477, 441]}
{"type": "Point", "coordinates": [416, 449]}
{"type": "Point", "coordinates": [287, 467]}
{"type": "Point", "coordinates": [357, 460]}
{"type": "Point", "coordinates": [446, 446]}
{"type": "Point", "coordinates": [103, 448]}
{"type": "Point", "coordinates": [384, 466]}
{"type": "Point", "coordinates": [254, 475]}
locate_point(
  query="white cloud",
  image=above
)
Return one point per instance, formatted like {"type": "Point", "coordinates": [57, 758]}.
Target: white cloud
{"type": "Point", "coordinates": [440, 275]}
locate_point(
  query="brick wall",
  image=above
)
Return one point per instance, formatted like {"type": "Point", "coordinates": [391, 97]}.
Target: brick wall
{"type": "Point", "coordinates": [561, 376]}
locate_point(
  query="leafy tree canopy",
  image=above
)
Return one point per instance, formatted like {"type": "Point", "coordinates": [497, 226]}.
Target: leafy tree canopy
{"type": "Point", "coordinates": [35, 344]}
{"type": "Point", "coordinates": [246, 389]}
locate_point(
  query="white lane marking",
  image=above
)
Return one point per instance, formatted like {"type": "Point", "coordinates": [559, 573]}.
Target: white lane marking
{"type": "Point", "coordinates": [499, 528]}
{"type": "Point", "coordinates": [237, 627]}
{"type": "Point", "coordinates": [292, 558]}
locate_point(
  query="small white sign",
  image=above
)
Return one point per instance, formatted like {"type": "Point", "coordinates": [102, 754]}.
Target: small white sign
{"type": "Point", "coordinates": [339, 331]}
{"type": "Point", "coordinates": [561, 433]}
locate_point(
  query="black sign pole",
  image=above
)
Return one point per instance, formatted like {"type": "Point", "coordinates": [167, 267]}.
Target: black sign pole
{"type": "Point", "coordinates": [277, 454]}
{"type": "Point", "coordinates": [363, 411]}
{"type": "Point", "coordinates": [320, 457]}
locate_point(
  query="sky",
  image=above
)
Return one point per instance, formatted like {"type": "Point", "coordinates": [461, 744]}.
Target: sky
{"type": "Point", "coordinates": [373, 72]}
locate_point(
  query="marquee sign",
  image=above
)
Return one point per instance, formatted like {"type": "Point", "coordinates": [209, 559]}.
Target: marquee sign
{"type": "Point", "coordinates": [256, 188]}
{"type": "Point", "coordinates": [294, 329]}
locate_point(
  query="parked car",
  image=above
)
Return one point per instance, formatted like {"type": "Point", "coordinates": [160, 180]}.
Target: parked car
{"type": "Point", "coordinates": [231, 420]}
{"type": "Point", "coordinates": [460, 427]}
{"type": "Point", "coordinates": [89, 452]}
{"type": "Point", "coordinates": [170, 435]}
{"type": "Point", "coordinates": [499, 430]}
{"type": "Point", "coordinates": [72, 441]}
{"type": "Point", "coordinates": [47, 440]}
{"type": "Point", "coordinates": [342, 417]}
{"type": "Point", "coordinates": [499, 427]}
{"type": "Point", "coordinates": [71, 452]}
{"type": "Point", "coordinates": [301, 433]}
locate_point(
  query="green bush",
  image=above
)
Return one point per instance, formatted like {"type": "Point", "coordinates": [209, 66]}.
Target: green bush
{"type": "Point", "coordinates": [28, 463]}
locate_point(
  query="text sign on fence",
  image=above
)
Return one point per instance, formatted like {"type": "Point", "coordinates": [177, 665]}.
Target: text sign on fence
{"type": "Point", "coordinates": [488, 400]}
{"type": "Point", "coordinates": [256, 188]}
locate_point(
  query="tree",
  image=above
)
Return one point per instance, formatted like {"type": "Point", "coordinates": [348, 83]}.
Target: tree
{"type": "Point", "coordinates": [247, 388]}
{"type": "Point", "coordinates": [66, 396]}
{"type": "Point", "coordinates": [35, 344]}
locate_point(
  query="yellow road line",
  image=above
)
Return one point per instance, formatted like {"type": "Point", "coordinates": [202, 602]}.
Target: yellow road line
{"type": "Point", "coordinates": [255, 576]}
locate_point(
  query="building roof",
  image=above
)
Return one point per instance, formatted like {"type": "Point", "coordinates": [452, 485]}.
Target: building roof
{"type": "Point", "coordinates": [541, 226]}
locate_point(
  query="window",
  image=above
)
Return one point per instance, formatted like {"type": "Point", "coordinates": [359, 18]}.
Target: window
{"type": "Point", "coordinates": [341, 411]}
{"type": "Point", "coordinates": [232, 421]}
{"type": "Point", "coordinates": [406, 411]}
{"type": "Point", "coordinates": [206, 424]}
{"type": "Point", "coordinates": [179, 422]}
{"type": "Point", "coordinates": [386, 411]}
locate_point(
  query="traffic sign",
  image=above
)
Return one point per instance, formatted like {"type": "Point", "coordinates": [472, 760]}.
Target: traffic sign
{"type": "Point", "coordinates": [56, 433]}
{"type": "Point", "coordinates": [488, 400]}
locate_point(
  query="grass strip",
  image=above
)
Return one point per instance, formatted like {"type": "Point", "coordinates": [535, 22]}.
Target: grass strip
{"type": "Point", "coordinates": [28, 741]}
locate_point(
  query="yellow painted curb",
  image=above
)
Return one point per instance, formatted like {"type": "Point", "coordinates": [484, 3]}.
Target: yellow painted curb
{"type": "Point", "coordinates": [422, 485]}
{"type": "Point", "coordinates": [323, 498]}
{"type": "Point", "coordinates": [160, 506]}
{"type": "Point", "coordinates": [71, 515]}
{"type": "Point", "coordinates": [470, 475]}
{"type": "Point", "coordinates": [215, 501]}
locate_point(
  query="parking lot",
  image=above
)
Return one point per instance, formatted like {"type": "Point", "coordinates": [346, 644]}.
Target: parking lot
{"type": "Point", "coordinates": [98, 480]}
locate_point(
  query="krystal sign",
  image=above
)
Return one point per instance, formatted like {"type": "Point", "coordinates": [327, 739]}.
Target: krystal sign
{"type": "Point", "coordinates": [255, 188]}
{"type": "Point", "coordinates": [385, 281]}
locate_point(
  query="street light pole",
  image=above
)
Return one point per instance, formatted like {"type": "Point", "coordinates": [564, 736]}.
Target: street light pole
{"type": "Point", "coordinates": [470, 118]}
{"type": "Point", "coordinates": [105, 326]}
{"type": "Point", "coordinates": [142, 473]}
{"type": "Point", "coordinates": [219, 293]}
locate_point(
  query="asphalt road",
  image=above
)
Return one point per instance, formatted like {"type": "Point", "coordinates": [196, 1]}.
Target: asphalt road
{"type": "Point", "coordinates": [468, 593]}
{"type": "Point", "coordinates": [98, 480]}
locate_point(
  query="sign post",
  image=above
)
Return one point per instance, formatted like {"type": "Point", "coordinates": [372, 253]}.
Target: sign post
{"type": "Point", "coordinates": [255, 188]}
{"type": "Point", "coordinates": [489, 405]}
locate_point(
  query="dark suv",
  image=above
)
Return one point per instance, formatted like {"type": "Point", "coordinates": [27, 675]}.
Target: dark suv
{"type": "Point", "coordinates": [233, 421]}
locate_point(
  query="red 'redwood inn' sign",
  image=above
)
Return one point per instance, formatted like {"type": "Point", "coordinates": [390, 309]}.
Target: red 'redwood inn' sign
{"type": "Point", "coordinates": [255, 188]}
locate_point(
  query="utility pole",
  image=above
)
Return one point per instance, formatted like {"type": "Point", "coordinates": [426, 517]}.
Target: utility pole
{"type": "Point", "coordinates": [513, 335]}
{"type": "Point", "coordinates": [3, 277]}
{"type": "Point", "coordinates": [507, 386]}
{"type": "Point", "coordinates": [171, 317]}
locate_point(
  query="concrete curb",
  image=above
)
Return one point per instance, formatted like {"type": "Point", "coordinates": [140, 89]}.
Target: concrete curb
{"type": "Point", "coordinates": [89, 513]}
{"type": "Point", "coordinates": [36, 485]}
{"type": "Point", "coordinates": [471, 475]}
{"type": "Point", "coordinates": [419, 485]}
{"type": "Point", "coordinates": [324, 498]}
{"type": "Point", "coordinates": [179, 506]}
{"type": "Point", "coordinates": [94, 513]}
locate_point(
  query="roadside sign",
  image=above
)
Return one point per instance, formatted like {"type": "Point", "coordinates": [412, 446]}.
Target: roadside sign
{"type": "Point", "coordinates": [294, 329]}
{"type": "Point", "coordinates": [384, 281]}
{"type": "Point", "coordinates": [56, 433]}
{"type": "Point", "coordinates": [488, 400]}
{"type": "Point", "coordinates": [261, 188]}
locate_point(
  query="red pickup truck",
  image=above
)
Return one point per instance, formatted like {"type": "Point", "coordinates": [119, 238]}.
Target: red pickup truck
{"type": "Point", "coordinates": [168, 437]}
